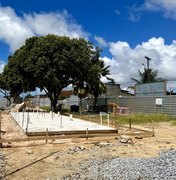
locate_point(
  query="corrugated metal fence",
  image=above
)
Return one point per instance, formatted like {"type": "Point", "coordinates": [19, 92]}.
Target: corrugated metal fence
{"type": "Point", "coordinates": [149, 105]}
{"type": "Point", "coordinates": [146, 104]}
{"type": "Point", "coordinates": [143, 104]}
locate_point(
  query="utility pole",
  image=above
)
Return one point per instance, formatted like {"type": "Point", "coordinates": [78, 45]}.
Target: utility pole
{"type": "Point", "coordinates": [148, 59]}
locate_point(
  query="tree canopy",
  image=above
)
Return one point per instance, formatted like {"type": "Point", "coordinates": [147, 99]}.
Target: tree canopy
{"type": "Point", "coordinates": [147, 76]}
{"type": "Point", "coordinates": [51, 63]}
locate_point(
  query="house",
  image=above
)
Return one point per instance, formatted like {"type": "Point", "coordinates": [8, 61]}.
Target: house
{"type": "Point", "coordinates": [114, 90]}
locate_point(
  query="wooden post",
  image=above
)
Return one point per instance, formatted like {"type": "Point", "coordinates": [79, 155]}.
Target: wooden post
{"type": "Point", "coordinates": [18, 116]}
{"type": "Point", "coordinates": [23, 118]}
{"type": "Point", "coordinates": [130, 124]}
{"type": "Point", "coordinates": [51, 114]}
{"type": "Point", "coordinates": [88, 116]}
{"type": "Point", "coordinates": [61, 121]}
{"type": "Point", "coordinates": [108, 119]}
{"type": "Point", "coordinates": [37, 114]}
{"type": "Point", "coordinates": [117, 126]}
{"type": "Point", "coordinates": [87, 132]}
{"type": "Point", "coordinates": [71, 117]}
{"type": "Point", "coordinates": [46, 135]}
{"type": "Point", "coordinates": [28, 118]}
{"type": "Point", "coordinates": [0, 131]}
{"type": "Point", "coordinates": [153, 128]}
{"type": "Point", "coordinates": [101, 119]}
{"type": "Point", "coordinates": [27, 124]}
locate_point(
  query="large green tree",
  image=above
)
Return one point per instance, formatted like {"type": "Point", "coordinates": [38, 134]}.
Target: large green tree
{"type": "Point", "coordinates": [18, 75]}
{"type": "Point", "coordinates": [51, 63]}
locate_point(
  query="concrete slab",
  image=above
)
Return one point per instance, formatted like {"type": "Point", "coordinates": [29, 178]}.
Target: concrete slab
{"type": "Point", "coordinates": [40, 121]}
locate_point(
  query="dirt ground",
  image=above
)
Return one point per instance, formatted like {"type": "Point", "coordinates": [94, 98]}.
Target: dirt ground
{"type": "Point", "coordinates": [56, 159]}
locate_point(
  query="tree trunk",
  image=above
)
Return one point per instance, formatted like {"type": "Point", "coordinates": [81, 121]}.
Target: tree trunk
{"type": "Point", "coordinates": [54, 105]}
{"type": "Point", "coordinates": [95, 101]}
{"type": "Point", "coordinates": [54, 99]}
{"type": "Point", "coordinates": [15, 99]}
{"type": "Point", "coordinates": [8, 101]}
{"type": "Point", "coordinates": [80, 105]}
{"type": "Point", "coordinates": [51, 104]}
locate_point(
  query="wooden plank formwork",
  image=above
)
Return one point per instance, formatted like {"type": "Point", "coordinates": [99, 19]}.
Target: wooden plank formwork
{"type": "Point", "coordinates": [72, 136]}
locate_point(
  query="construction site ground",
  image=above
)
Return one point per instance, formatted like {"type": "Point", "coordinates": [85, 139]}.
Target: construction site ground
{"type": "Point", "coordinates": [56, 159]}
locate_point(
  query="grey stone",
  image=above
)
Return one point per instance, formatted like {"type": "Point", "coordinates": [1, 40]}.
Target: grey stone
{"type": "Point", "coordinates": [125, 139]}
{"type": "Point", "coordinates": [162, 167]}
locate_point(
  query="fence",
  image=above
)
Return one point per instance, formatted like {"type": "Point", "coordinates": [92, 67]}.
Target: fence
{"type": "Point", "coordinates": [3, 102]}
{"type": "Point", "coordinates": [140, 104]}
{"type": "Point", "coordinates": [146, 104]}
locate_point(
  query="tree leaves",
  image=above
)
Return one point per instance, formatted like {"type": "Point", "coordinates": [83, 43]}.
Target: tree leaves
{"type": "Point", "coordinates": [52, 63]}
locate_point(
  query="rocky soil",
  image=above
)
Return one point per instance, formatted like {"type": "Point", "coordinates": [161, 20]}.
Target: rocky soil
{"type": "Point", "coordinates": [162, 167]}
{"type": "Point", "coordinates": [97, 158]}
{"type": "Point", "coordinates": [2, 165]}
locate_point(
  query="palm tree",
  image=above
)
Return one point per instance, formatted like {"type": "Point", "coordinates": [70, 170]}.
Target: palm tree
{"type": "Point", "coordinates": [93, 84]}
{"type": "Point", "coordinates": [148, 76]}
{"type": "Point", "coordinates": [97, 87]}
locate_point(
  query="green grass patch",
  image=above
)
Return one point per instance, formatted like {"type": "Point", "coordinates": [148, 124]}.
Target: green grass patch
{"type": "Point", "coordinates": [145, 118]}
{"type": "Point", "coordinates": [47, 108]}
{"type": "Point", "coordinates": [135, 118]}
{"type": "Point", "coordinates": [173, 123]}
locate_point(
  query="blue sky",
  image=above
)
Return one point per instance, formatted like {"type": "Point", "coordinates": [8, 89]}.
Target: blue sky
{"type": "Point", "coordinates": [126, 30]}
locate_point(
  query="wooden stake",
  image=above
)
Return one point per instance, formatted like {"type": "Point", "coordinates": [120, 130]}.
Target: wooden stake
{"type": "Point", "coordinates": [130, 124]}
{"type": "Point", "coordinates": [46, 135]}
{"type": "Point", "coordinates": [71, 117]}
{"type": "Point", "coordinates": [27, 124]}
{"type": "Point", "coordinates": [101, 119]}
{"type": "Point", "coordinates": [108, 119]}
{"type": "Point", "coordinates": [23, 118]}
{"type": "Point", "coordinates": [61, 121]}
{"type": "Point", "coordinates": [0, 131]}
{"type": "Point", "coordinates": [88, 116]}
{"type": "Point", "coordinates": [87, 132]}
{"type": "Point", "coordinates": [153, 128]}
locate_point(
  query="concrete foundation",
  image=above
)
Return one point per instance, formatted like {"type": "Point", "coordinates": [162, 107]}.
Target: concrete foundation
{"type": "Point", "coordinates": [40, 121]}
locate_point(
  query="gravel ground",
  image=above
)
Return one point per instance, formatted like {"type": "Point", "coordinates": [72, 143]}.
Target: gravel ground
{"type": "Point", "coordinates": [162, 167]}
{"type": "Point", "coordinates": [2, 165]}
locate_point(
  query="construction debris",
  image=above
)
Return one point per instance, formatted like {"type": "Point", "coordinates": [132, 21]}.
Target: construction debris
{"type": "Point", "coordinates": [27, 106]}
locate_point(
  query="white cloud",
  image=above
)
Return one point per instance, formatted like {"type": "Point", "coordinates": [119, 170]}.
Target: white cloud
{"type": "Point", "coordinates": [2, 64]}
{"type": "Point", "coordinates": [126, 61]}
{"type": "Point", "coordinates": [134, 16]}
{"type": "Point", "coordinates": [168, 7]}
{"type": "Point", "coordinates": [101, 41]}
{"type": "Point", "coordinates": [14, 29]}
{"type": "Point", "coordinates": [53, 23]}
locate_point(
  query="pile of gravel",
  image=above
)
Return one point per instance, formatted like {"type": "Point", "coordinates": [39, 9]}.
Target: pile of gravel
{"type": "Point", "coordinates": [162, 167]}
{"type": "Point", "coordinates": [2, 165]}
